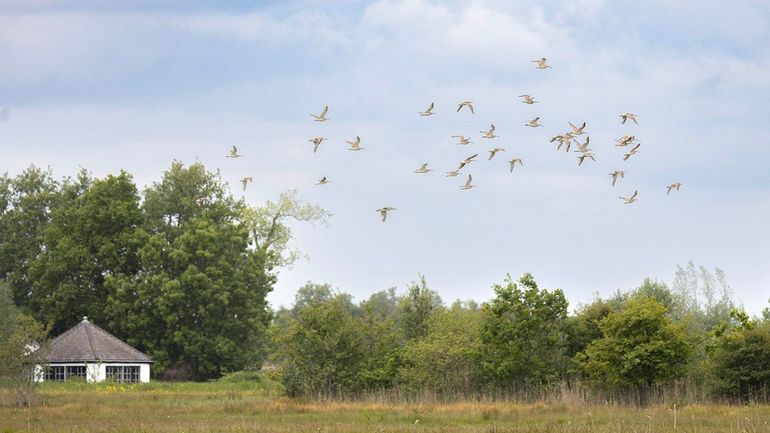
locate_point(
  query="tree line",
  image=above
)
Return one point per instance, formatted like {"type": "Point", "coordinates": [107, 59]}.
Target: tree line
{"type": "Point", "coordinates": [524, 343]}
{"type": "Point", "coordinates": [181, 270]}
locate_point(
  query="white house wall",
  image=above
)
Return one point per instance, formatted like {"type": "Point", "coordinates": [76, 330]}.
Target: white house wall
{"type": "Point", "coordinates": [97, 371]}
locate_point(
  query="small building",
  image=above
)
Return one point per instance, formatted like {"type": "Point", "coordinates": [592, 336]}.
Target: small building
{"type": "Point", "coordinates": [92, 354]}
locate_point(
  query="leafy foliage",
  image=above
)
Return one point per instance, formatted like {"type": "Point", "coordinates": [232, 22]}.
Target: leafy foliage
{"type": "Point", "coordinates": [640, 346]}
{"type": "Point", "coordinates": [22, 348]}
{"type": "Point", "coordinates": [523, 334]}
{"type": "Point", "coordinates": [740, 359]}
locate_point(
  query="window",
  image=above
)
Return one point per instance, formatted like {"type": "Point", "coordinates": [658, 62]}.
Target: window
{"type": "Point", "coordinates": [121, 373]}
{"type": "Point", "coordinates": [55, 373]}
{"type": "Point", "coordinates": [75, 372]}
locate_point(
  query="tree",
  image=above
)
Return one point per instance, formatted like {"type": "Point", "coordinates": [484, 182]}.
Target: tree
{"type": "Point", "coordinates": [446, 359]}
{"type": "Point", "coordinates": [583, 326]}
{"type": "Point", "coordinates": [739, 362]}
{"type": "Point", "coordinates": [90, 236]}
{"type": "Point", "coordinates": [197, 306]}
{"type": "Point", "coordinates": [269, 229]}
{"type": "Point", "coordinates": [640, 347]}
{"type": "Point", "coordinates": [415, 307]}
{"type": "Point", "coordinates": [22, 348]}
{"type": "Point", "coordinates": [382, 340]}
{"type": "Point", "coordinates": [26, 202]}
{"type": "Point", "coordinates": [323, 350]}
{"type": "Point", "coordinates": [703, 297]}
{"type": "Point", "coordinates": [523, 334]}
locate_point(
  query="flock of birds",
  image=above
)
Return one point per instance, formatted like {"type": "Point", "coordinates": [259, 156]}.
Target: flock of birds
{"type": "Point", "coordinates": [565, 140]}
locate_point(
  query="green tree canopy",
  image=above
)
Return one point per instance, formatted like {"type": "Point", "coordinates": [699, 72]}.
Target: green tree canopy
{"type": "Point", "coordinates": [198, 305]}
{"type": "Point", "coordinates": [640, 347]}
{"type": "Point", "coordinates": [740, 358]}
{"type": "Point", "coordinates": [523, 334]}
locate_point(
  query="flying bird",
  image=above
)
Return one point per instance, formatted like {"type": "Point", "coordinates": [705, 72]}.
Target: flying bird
{"type": "Point", "coordinates": [322, 181]}
{"type": "Point", "coordinates": [673, 186]}
{"type": "Point", "coordinates": [429, 111]}
{"type": "Point", "coordinates": [321, 117]}
{"type": "Point", "coordinates": [528, 99]}
{"type": "Point", "coordinates": [585, 155]}
{"type": "Point", "coordinates": [467, 161]}
{"type": "Point", "coordinates": [423, 169]}
{"type": "Point", "coordinates": [494, 151]}
{"type": "Point", "coordinates": [490, 133]}
{"type": "Point", "coordinates": [576, 130]}
{"type": "Point", "coordinates": [355, 145]}
{"type": "Point", "coordinates": [632, 152]}
{"type": "Point", "coordinates": [384, 212]}
{"type": "Point", "coordinates": [533, 123]}
{"type": "Point", "coordinates": [462, 140]}
{"type": "Point", "coordinates": [245, 181]}
{"type": "Point", "coordinates": [627, 116]}
{"type": "Point", "coordinates": [615, 175]}
{"type": "Point", "coordinates": [626, 140]}
{"type": "Point", "coordinates": [468, 183]}
{"type": "Point", "coordinates": [541, 63]}
{"type": "Point", "coordinates": [316, 142]}
{"type": "Point", "coordinates": [468, 104]}
{"type": "Point", "coordinates": [629, 200]}
{"type": "Point", "coordinates": [583, 147]}
{"type": "Point", "coordinates": [233, 153]}
{"type": "Point", "coordinates": [513, 162]}
{"type": "Point", "coordinates": [452, 173]}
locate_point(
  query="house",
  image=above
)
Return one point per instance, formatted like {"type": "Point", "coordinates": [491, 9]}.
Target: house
{"type": "Point", "coordinates": [90, 353]}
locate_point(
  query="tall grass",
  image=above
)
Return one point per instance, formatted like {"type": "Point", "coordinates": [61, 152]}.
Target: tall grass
{"type": "Point", "coordinates": [245, 406]}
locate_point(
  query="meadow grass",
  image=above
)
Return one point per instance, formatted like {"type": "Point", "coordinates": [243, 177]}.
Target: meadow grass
{"type": "Point", "coordinates": [259, 407]}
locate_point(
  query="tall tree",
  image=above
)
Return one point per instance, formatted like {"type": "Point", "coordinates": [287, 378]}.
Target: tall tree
{"type": "Point", "coordinates": [90, 236]}
{"type": "Point", "coordinates": [523, 334]}
{"type": "Point", "coordinates": [270, 231]}
{"type": "Point", "coordinates": [26, 202]}
{"type": "Point", "coordinates": [198, 304]}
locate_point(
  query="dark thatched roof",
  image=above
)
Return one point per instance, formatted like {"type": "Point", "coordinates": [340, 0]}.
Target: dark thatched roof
{"type": "Point", "coordinates": [86, 342]}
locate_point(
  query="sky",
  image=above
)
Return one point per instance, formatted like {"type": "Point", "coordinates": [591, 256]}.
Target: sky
{"type": "Point", "coordinates": [109, 85]}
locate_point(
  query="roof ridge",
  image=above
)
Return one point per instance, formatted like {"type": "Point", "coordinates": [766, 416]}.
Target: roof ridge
{"type": "Point", "coordinates": [109, 335]}
{"type": "Point", "coordinates": [90, 339]}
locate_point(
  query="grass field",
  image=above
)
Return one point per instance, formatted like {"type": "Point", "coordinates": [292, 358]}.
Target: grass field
{"type": "Point", "coordinates": [249, 407]}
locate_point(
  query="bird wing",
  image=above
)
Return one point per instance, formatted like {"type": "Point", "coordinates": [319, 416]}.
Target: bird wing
{"type": "Point", "coordinates": [471, 107]}
{"type": "Point", "coordinates": [323, 113]}
{"type": "Point", "coordinates": [430, 107]}
{"type": "Point", "coordinates": [636, 147]}
{"type": "Point", "coordinates": [472, 156]}
{"type": "Point", "coordinates": [468, 182]}
{"type": "Point", "coordinates": [634, 195]}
